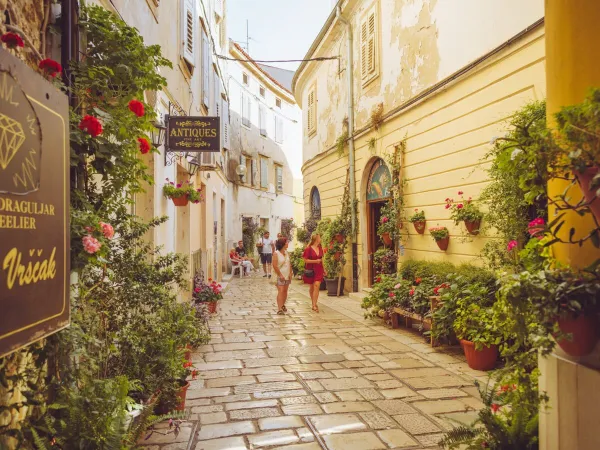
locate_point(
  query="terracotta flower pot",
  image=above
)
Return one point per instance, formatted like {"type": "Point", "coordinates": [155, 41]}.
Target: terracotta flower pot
{"type": "Point", "coordinates": [337, 256]}
{"type": "Point", "coordinates": [387, 240]}
{"type": "Point", "coordinates": [443, 243]}
{"type": "Point", "coordinates": [180, 201]}
{"type": "Point", "coordinates": [585, 179]}
{"type": "Point", "coordinates": [181, 396]}
{"type": "Point", "coordinates": [583, 334]}
{"type": "Point", "coordinates": [339, 237]}
{"type": "Point", "coordinates": [420, 226]}
{"type": "Point", "coordinates": [212, 307]}
{"type": "Point", "coordinates": [484, 359]}
{"type": "Point", "coordinates": [473, 226]}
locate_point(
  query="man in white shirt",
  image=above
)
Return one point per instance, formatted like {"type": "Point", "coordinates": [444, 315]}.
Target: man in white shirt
{"type": "Point", "coordinates": [268, 246]}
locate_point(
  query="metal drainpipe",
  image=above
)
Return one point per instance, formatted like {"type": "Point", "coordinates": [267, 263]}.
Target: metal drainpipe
{"type": "Point", "coordinates": [350, 79]}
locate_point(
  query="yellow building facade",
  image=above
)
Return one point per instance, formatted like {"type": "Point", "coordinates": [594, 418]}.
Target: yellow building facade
{"type": "Point", "coordinates": [445, 81]}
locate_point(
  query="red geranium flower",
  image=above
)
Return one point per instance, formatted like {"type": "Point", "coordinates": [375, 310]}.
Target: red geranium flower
{"type": "Point", "coordinates": [495, 407]}
{"type": "Point", "coordinates": [448, 206]}
{"type": "Point", "coordinates": [187, 364]}
{"type": "Point", "coordinates": [144, 145]}
{"type": "Point", "coordinates": [418, 280]}
{"type": "Point", "coordinates": [459, 206]}
{"type": "Point", "coordinates": [460, 192]}
{"type": "Point", "coordinates": [392, 295]}
{"type": "Point", "coordinates": [412, 291]}
{"type": "Point", "coordinates": [136, 107]}
{"type": "Point", "coordinates": [91, 125]}
{"type": "Point", "coordinates": [12, 40]}
{"type": "Point", "coordinates": [50, 67]}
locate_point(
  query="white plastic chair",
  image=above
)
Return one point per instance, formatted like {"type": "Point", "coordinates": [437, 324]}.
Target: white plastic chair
{"type": "Point", "coordinates": [236, 266]}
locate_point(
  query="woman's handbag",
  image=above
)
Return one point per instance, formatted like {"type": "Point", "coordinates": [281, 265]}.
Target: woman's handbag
{"type": "Point", "coordinates": [309, 273]}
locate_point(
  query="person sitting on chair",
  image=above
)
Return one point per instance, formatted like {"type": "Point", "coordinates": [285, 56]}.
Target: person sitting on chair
{"type": "Point", "coordinates": [235, 259]}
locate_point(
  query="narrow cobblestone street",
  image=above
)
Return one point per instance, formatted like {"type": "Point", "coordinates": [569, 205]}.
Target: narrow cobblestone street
{"type": "Point", "coordinates": [306, 381]}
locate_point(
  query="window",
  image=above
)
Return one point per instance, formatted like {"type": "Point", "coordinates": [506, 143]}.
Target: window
{"type": "Point", "coordinates": [368, 46]}
{"type": "Point", "coordinates": [205, 69]}
{"type": "Point", "coordinates": [278, 102]}
{"type": "Point", "coordinates": [264, 172]}
{"type": "Point", "coordinates": [188, 33]}
{"type": "Point", "coordinates": [261, 90]}
{"type": "Point", "coordinates": [278, 129]}
{"type": "Point", "coordinates": [246, 109]}
{"type": "Point", "coordinates": [315, 204]}
{"type": "Point", "coordinates": [245, 78]}
{"type": "Point", "coordinates": [244, 162]}
{"type": "Point", "coordinates": [311, 123]}
{"type": "Point", "coordinates": [262, 120]}
{"type": "Point", "coordinates": [279, 178]}
{"type": "Point", "coordinates": [254, 172]}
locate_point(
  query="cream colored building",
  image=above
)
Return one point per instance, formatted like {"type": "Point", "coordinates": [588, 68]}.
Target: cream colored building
{"type": "Point", "coordinates": [190, 33]}
{"type": "Point", "coordinates": [446, 78]}
{"type": "Point", "coordinates": [266, 138]}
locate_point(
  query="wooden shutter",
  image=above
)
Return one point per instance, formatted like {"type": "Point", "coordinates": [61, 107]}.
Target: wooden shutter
{"type": "Point", "coordinates": [372, 47]}
{"type": "Point", "coordinates": [189, 30]}
{"type": "Point", "coordinates": [279, 173]}
{"type": "Point", "coordinates": [364, 43]}
{"type": "Point", "coordinates": [254, 171]}
{"type": "Point", "coordinates": [246, 109]}
{"type": "Point", "coordinates": [278, 129]}
{"type": "Point", "coordinates": [262, 119]}
{"type": "Point", "coordinates": [311, 110]}
{"type": "Point", "coordinates": [225, 126]}
{"type": "Point", "coordinates": [216, 103]}
{"type": "Point", "coordinates": [264, 173]}
{"type": "Point", "coordinates": [368, 46]}
{"type": "Point", "coordinates": [205, 69]}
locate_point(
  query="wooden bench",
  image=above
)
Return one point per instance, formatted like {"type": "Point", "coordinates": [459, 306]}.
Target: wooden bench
{"type": "Point", "coordinates": [400, 317]}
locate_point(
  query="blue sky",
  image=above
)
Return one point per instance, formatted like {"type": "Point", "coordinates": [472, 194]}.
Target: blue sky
{"type": "Point", "coordinates": [279, 29]}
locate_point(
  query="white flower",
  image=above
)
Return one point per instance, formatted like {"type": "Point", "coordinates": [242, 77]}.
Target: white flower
{"type": "Point", "coordinates": [516, 152]}
{"type": "Point", "coordinates": [493, 141]}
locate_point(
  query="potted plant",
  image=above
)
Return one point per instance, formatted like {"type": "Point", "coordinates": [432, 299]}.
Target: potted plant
{"type": "Point", "coordinates": [388, 224]}
{"type": "Point", "coordinates": [208, 294]}
{"type": "Point", "coordinates": [441, 235]}
{"type": "Point", "coordinates": [333, 263]}
{"type": "Point", "coordinates": [182, 193]}
{"type": "Point", "coordinates": [579, 136]}
{"type": "Point", "coordinates": [338, 231]}
{"type": "Point", "coordinates": [384, 261]}
{"type": "Point", "coordinates": [418, 220]}
{"type": "Point", "coordinates": [465, 211]}
{"type": "Point", "coordinates": [475, 327]}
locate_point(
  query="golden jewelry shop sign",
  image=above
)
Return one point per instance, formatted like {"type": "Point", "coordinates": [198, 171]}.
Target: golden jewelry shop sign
{"type": "Point", "coordinates": [194, 134]}
{"type": "Point", "coordinates": [34, 206]}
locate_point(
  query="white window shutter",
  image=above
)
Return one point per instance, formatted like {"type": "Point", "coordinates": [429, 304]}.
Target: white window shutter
{"type": "Point", "coordinates": [372, 43]}
{"type": "Point", "coordinates": [219, 8]}
{"type": "Point", "coordinates": [188, 26]}
{"type": "Point", "coordinates": [262, 120]}
{"type": "Point", "coordinates": [225, 126]}
{"type": "Point", "coordinates": [216, 103]}
{"type": "Point", "coordinates": [364, 49]}
{"type": "Point", "coordinates": [205, 69]}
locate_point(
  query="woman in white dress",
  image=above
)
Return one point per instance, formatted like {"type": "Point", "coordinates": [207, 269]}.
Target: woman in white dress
{"type": "Point", "coordinates": [283, 270]}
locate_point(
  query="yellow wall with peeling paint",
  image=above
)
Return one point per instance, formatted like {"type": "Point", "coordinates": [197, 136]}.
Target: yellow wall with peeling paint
{"type": "Point", "coordinates": [447, 131]}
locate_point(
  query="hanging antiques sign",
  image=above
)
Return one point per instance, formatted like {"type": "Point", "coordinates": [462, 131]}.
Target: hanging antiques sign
{"type": "Point", "coordinates": [34, 206]}
{"type": "Point", "coordinates": [194, 134]}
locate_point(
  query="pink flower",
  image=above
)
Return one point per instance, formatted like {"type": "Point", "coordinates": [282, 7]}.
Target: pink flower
{"type": "Point", "coordinates": [107, 230]}
{"type": "Point", "coordinates": [535, 223]}
{"type": "Point", "coordinates": [416, 209]}
{"type": "Point", "coordinates": [392, 295]}
{"type": "Point", "coordinates": [197, 290]}
{"type": "Point", "coordinates": [397, 286]}
{"type": "Point", "coordinates": [89, 229]}
{"type": "Point", "coordinates": [384, 219]}
{"type": "Point", "coordinates": [512, 244]}
{"type": "Point", "coordinates": [448, 206]}
{"type": "Point", "coordinates": [91, 244]}
{"type": "Point", "coordinates": [460, 192]}
{"type": "Point", "coordinates": [460, 206]}
{"type": "Point", "coordinates": [178, 185]}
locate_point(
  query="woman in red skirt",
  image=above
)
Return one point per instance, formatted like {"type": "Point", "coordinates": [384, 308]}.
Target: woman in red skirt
{"type": "Point", "coordinates": [313, 261]}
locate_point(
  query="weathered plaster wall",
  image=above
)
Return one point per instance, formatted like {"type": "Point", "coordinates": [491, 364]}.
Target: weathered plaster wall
{"type": "Point", "coordinates": [447, 135]}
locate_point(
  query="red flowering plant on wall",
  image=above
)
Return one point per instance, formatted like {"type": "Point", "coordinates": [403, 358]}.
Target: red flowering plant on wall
{"type": "Point", "coordinates": [50, 67]}
{"type": "Point", "coordinates": [12, 40]}
{"type": "Point", "coordinates": [463, 209]}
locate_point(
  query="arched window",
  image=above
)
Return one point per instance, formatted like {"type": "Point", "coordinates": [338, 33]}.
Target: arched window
{"type": "Point", "coordinates": [379, 184]}
{"type": "Point", "coordinates": [315, 204]}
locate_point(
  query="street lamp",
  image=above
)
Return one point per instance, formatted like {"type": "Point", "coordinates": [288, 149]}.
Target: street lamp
{"type": "Point", "coordinates": [241, 170]}
{"type": "Point", "coordinates": [192, 164]}
{"type": "Point", "coordinates": [158, 133]}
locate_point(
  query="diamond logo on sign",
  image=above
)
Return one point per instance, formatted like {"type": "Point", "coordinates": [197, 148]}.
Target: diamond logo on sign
{"type": "Point", "coordinates": [11, 139]}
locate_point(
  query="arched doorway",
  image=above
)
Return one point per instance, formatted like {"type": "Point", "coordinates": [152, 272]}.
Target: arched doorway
{"type": "Point", "coordinates": [315, 204]}
{"type": "Point", "coordinates": [378, 193]}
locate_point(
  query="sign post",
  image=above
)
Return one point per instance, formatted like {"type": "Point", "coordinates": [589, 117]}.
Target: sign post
{"type": "Point", "coordinates": [34, 206]}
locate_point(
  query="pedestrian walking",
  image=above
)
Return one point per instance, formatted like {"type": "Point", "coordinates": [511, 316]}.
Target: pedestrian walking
{"type": "Point", "coordinates": [268, 246]}
{"type": "Point", "coordinates": [283, 271]}
{"type": "Point", "coordinates": [313, 268]}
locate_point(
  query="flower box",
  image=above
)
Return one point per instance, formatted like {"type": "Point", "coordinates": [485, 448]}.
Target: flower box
{"type": "Point", "coordinates": [473, 226]}
{"type": "Point", "coordinates": [483, 359]}
{"type": "Point", "coordinates": [180, 201]}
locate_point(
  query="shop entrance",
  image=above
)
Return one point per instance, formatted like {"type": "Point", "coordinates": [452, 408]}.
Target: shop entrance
{"type": "Point", "coordinates": [378, 194]}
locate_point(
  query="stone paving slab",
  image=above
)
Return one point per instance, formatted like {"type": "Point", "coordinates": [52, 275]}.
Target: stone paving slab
{"type": "Point", "coordinates": [307, 381]}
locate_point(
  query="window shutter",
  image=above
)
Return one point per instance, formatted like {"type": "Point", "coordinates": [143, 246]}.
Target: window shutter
{"type": "Point", "coordinates": [189, 30]}
{"type": "Point", "coordinates": [278, 129]}
{"type": "Point", "coordinates": [364, 44]}
{"type": "Point", "coordinates": [205, 70]}
{"type": "Point", "coordinates": [216, 103]}
{"type": "Point", "coordinates": [219, 8]}
{"type": "Point", "coordinates": [311, 101]}
{"type": "Point", "coordinates": [246, 108]}
{"type": "Point", "coordinates": [372, 47]}
{"type": "Point", "coordinates": [264, 173]}
{"type": "Point", "coordinates": [279, 172]}
{"type": "Point", "coordinates": [254, 170]}
{"type": "Point", "coordinates": [225, 126]}
{"type": "Point", "coordinates": [262, 119]}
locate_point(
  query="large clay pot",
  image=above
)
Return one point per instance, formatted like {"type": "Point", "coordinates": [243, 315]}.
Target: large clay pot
{"type": "Point", "coordinates": [387, 240]}
{"type": "Point", "coordinates": [583, 333]}
{"type": "Point", "coordinates": [484, 359]}
{"type": "Point", "coordinates": [443, 243]}
{"type": "Point", "coordinates": [180, 201]}
{"type": "Point", "coordinates": [332, 287]}
{"type": "Point", "coordinates": [181, 396]}
{"type": "Point", "coordinates": [473, 226]}
{"type": "Point", "coordinates": [585, 179]}
{"type": "Point", "coordinates": [420, 226]}
{"type": "Point", "coordinates": [212, 307]}
{"type": "Point", "coordinates": [340, 238]}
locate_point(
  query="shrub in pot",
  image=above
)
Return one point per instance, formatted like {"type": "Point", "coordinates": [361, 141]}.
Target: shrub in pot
{"type": "Point", "coordinates": [418, 220]}
{"type": "Point", "coordinates": [384, 261]}
{"type": "Point", "coordinates": [465, 211]}
{"type": "Point", "coordinates": [441, 236]}
{"type": "Point", "coordinates": [182, 193]}
{"type": "Point", "coordinates": [475, 327]}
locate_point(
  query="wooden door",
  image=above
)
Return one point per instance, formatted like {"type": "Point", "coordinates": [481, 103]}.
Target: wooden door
{"type": "Point", "coordinates": [374, 242]}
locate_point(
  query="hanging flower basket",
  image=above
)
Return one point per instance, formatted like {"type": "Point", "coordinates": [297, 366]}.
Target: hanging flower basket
{"type": "Point", "coordinates": [443, 243]}
{"type": "Point", "coordinates": [180, 201]}
{"type": "Point", "coordinates": [387, 240]}
{"type": "Point", "coordinates": [420, 226]}
{"type": "Point", "coordinates": [484, 359]}
{"type": "Point", "coordinates": [585, 180]}
{"type": "Point", "coordinates": [583, 334]}
{"type": "Point", "coordinates": [473, 226]}
{"type": "Point", "coordinates": [441, 235]}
